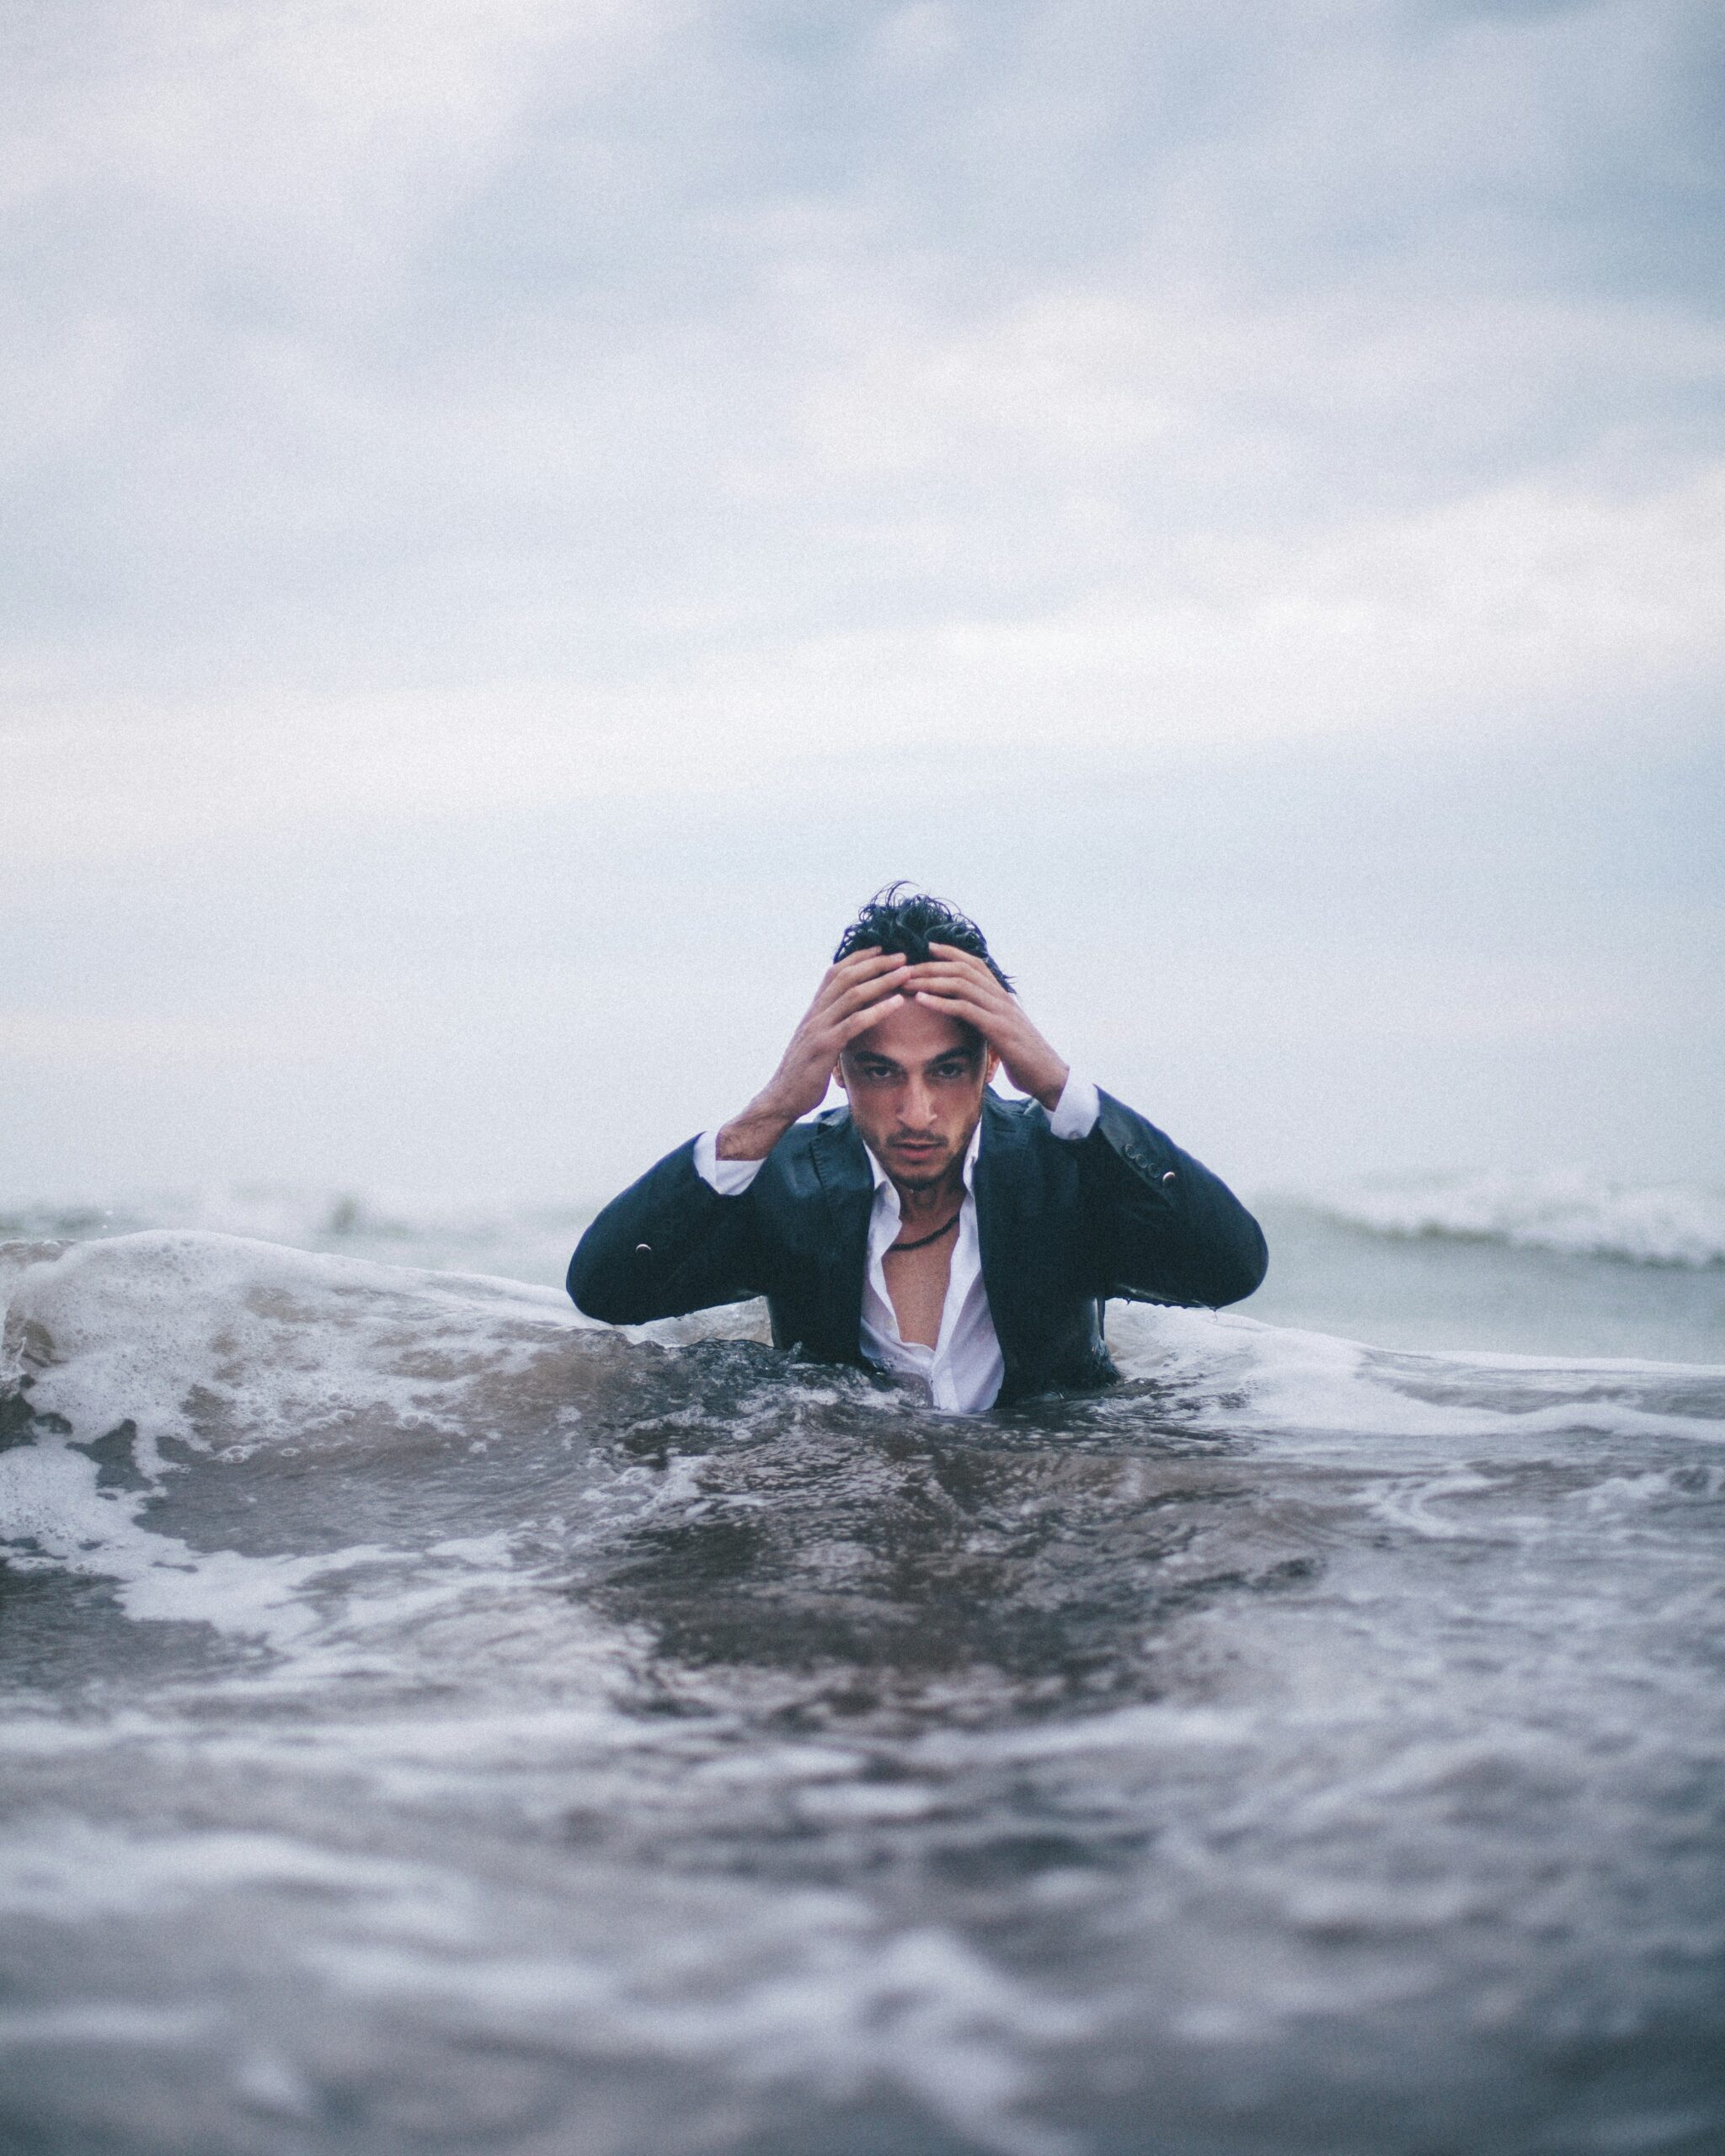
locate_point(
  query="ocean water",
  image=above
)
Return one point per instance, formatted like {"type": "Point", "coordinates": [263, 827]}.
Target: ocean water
{"type": "Point", "coordinates": [433, 1723]}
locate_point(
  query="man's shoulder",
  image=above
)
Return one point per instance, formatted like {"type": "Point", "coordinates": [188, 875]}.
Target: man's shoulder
{"type": "Point", "coordinates": [1020, 1155]}
{"type": "Point", "coordinates": [811, 1154]}
{"type": "Point", "coordinates": [821, 1133]}
{"type": "Point", "coordinates": [1013, 1123]}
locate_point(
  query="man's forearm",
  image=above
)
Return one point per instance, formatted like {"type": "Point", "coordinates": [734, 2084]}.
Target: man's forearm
{"type": "Point", "coordinates": [855, 994]}
{"type": "Point", "coordinates": [752, 1136]}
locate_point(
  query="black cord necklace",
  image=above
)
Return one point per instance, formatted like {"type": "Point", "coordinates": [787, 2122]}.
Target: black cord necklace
{"type": "Point", "coordinates": [902, 1249]}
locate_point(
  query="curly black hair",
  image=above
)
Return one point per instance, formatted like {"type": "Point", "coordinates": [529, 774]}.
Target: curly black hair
{"type": "Point", "coordinates": [898, 919]}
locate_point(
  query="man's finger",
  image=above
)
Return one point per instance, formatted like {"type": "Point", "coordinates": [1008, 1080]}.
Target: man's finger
{"type": "Point", "coordinates": [859, 1022]}
{"type": "Point", "coordinates": [962, 1006]}
{"type": "Point", "coordinates": [861, 967]}
{"type": "Point", "coordinates": [945, 955]}
{"type": "Point", "coordinates": [957, 969]}
{"type": "Point", "coordinates": [864, 992]}
{"type": "Point", "coordinates": [955, 980]}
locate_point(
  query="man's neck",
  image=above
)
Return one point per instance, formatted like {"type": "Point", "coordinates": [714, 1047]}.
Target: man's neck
{"type": "Point", "coordinates": [933, 1201]}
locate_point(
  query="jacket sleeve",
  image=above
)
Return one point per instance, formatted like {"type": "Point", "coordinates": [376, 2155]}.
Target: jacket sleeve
{"type": "Point", "coordinates": [670, 1244]}
{"type": "Point", "coordinates": [1162, 1228]}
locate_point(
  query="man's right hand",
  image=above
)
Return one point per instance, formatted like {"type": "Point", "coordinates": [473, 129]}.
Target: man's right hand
{"type": "Point", "coordinates": [854, 994]}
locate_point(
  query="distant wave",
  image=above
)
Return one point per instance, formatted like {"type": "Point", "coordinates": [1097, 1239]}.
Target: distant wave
{"type": "Point", "coordinates": [1640, 1224]}
{"type": "Point", "coordinates": [1660, 1224]}
{"type": "Point", "coordinates": [306, 1217]}
{"type": "Point", "coordinates": [470, 1233]}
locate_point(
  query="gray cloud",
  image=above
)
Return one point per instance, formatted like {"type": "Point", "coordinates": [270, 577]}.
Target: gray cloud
{"type": "Point", "coordinates": [344, 318]}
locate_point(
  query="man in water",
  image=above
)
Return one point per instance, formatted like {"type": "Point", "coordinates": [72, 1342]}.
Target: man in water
{"type": "Point", "coordinates": [964, 1243]}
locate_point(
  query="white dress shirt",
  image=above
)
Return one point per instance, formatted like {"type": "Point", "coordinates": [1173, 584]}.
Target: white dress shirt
{"type": "Point", "coordinates": [962, 1372]}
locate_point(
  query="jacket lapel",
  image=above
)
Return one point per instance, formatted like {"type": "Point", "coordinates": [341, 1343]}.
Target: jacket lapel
{"type": "Point", "coordinates": [998, 1227]}
{"type": "Point", "coordinates": [847, 1190]}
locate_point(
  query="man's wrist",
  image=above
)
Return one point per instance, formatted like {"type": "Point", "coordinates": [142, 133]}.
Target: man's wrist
{"type": "Point", "coordinates": [752, 1136]}
{"type": "Point", "coordinates": [1049, 1094]}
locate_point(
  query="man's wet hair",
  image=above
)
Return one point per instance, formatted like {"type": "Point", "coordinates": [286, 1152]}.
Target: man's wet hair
{"type": "Point", "coordinates": [899, 919]}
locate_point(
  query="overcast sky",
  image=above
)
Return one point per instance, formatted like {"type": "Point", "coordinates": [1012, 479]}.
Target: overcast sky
{"type": "Point", "coordinates": [518, 516]}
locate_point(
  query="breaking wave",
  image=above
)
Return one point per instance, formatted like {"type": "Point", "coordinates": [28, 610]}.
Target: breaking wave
{"type": "Point", "coordinates": [1573, 1214]}
{"type": "Point", "coordinates": [476, 1231]}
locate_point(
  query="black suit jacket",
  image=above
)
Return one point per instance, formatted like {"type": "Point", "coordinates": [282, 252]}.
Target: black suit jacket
{"type": "Point", "coordinates": [1063, 1225]}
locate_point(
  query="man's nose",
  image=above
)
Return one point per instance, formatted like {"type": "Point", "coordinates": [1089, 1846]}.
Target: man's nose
{"type": "Point", "coordinates": [919, 1104]}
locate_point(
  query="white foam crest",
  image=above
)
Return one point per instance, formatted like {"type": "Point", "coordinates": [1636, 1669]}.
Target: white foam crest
{"type": "Point", "coordinates": [233, 1347]}
{"type": "Point", "coordinates": [1573, 1212]}
{"type": "Point", "coordinates": [212, 1340]}
{"type": "Point", "coordinates": [1241, 1373]}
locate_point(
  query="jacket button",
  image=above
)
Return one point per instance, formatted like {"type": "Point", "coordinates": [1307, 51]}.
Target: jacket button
{"type": "Point", "coordinates": [641, 1247]}
{"type": "Point", "coordinates": [1169, 1176]}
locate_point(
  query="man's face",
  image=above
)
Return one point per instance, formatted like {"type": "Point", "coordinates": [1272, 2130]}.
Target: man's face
{"type": "Point", "coordinates": [915, 1082]}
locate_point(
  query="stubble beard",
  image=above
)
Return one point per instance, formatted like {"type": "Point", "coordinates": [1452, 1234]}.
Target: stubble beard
{"type": "Point", "coordinates": [927, 1181]}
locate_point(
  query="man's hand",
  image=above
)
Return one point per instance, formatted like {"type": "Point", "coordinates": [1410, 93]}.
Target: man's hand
{"type": "Point", "coordinates": [854, 994]}
{"type": "Point", "coordinates": [959, 985]}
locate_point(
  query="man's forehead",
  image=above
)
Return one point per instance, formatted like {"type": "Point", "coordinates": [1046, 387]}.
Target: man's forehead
{"type": "Point", "coordinates": [914, 1034]}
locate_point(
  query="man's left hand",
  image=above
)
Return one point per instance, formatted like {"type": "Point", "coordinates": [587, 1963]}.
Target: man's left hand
{"type": "Point", "coordinates": [959, 985]}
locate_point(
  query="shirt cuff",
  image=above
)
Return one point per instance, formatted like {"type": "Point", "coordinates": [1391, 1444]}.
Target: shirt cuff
{"type": "Point", "coordinates": [731, 1178]}
{"type": "Point", "coordinates": [1076, 1110]}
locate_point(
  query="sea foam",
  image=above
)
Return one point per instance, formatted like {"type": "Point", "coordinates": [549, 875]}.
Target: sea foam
{"type": "Point", "coordinates": [126, 1358]}
{"type": "Point", "coordinates": [222, 1344]}
{"type": "Point", "coordinates": [432, 1717]}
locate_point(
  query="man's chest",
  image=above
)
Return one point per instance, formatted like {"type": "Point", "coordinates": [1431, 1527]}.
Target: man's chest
{"type": "Point", "coordinates": [917, 1283]}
